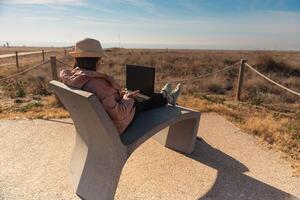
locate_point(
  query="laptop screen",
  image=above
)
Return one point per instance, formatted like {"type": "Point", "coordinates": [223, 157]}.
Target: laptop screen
{"type": "Point", "coordinates": [140, 78]}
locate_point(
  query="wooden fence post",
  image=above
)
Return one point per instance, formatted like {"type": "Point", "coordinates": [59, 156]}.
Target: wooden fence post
{"type": "Point", "coordinates": [54, 77]}
{"type": "Point", "coordinates": [53, 67]}
{"type": "Point", "coordinates": [17, 61]}
{"type": "Point", "coordinates": [240, 80]}
{"type": "Point", "coordinates": [65, 53]}
{"type": "Point", "coordinates": [43, 54]}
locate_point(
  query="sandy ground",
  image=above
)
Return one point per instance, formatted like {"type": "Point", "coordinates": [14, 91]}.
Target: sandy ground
{"type": "Point", "coordinates": [227, 164]}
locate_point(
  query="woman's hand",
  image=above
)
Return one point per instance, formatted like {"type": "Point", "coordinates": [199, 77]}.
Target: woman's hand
{"type": "Point", "coordinates": [131, 94]}
{"type": "Point", "coordinates": [123, 92]}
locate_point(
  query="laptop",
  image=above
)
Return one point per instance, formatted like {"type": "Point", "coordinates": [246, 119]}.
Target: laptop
{"type": "Point", "coordinates": [140, 78]}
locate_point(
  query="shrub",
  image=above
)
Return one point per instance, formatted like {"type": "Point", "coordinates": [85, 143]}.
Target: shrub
{"type": "Point", "coordinates": [228, 61]}
{"type": "Point", "coordinates": [19, 101]}
{"type": "Point", "coordinates": [289, 98]}
{"type": "Point", "coordinates": [214, 99]}
{"type": "Point", "coordinates": [231, 74]}
{"type": "Point", "coordinates": [259, 98]}
{"type": "Point", "coordinates": [14, 88]}
{"type": "Point", "coordinates": [266, 63]}
{"type": "Point", "coordinates": [40, 86]}
{"type": "Point", "coordinates": [256, 90]}
{"type": "Point", "coordinates": [215, 88]}
{"type": "Point", "coordinates": [33, 104]}
{"type": "Point", "coordinates": [20, 89]}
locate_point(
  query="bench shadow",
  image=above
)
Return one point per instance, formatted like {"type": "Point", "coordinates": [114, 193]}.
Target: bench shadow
{"type": "Point", "coordinates": [231, 183]}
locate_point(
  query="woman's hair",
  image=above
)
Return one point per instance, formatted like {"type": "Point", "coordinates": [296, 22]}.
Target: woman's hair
{"type": "Point", "coordinates": [86, 63]}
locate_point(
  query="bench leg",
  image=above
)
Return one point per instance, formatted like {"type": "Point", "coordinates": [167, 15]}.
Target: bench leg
{"type": "Point", "coordinates": [180, 136]}
{"type": "Point", "coordinates": [95, 176]}
{"type": "Point", "coordinates": [98, 180]}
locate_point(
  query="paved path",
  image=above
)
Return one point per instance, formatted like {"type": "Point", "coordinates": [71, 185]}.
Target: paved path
{"type": "Point", "coordinates": [21, 54]}
{"type": "Point", "coordinates": [226, 165]}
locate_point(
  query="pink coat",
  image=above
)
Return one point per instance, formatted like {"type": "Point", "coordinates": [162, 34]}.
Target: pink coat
{"type": "Point", "coordinates": [118, 107]}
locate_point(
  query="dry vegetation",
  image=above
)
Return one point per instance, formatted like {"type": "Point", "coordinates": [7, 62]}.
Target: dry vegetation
{"type": "Point", "coordinates": [265, 111]}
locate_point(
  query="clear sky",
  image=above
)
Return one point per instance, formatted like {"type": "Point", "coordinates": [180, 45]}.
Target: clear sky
{"type": "Point", "coordinates": [216, 24]}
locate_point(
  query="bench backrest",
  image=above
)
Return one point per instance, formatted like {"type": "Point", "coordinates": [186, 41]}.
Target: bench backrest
{"type": "Point", "coordinates": [89, 117]}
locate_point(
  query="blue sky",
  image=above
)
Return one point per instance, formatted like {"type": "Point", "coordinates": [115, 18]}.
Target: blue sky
{"type": "Point", "coordinates": [215, 24]}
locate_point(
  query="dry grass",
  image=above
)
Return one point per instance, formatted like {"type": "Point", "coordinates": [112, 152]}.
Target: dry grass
{"type": "Point", "coordinates": [180, 64]}
{"type": "Point", "coordinates": [34, 108]}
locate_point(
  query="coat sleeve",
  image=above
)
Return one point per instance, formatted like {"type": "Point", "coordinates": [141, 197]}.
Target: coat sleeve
{"type": "Point", "coordinates": [117, 110]}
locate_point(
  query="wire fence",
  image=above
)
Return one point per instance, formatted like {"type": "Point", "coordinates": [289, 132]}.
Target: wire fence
{"type": "Point", "coordinates": [272, 81]}
{"type": "Point", "coordinates": [227, 68]}
{"type": "Point", "coordinates": [178, 80]}
{"type": "Point", "coordinates": [24, 71]}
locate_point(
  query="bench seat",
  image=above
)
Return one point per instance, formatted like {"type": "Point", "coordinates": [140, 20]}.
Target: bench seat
{"type": "Point", "coordinates": [149, 123]}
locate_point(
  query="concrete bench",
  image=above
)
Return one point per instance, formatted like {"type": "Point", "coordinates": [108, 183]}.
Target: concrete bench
{"type": "Point", "coordinates": [100, 153]}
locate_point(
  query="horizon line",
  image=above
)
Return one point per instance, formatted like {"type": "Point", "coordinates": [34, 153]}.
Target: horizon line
{"type": "Point", "coordinates": [178, 46]}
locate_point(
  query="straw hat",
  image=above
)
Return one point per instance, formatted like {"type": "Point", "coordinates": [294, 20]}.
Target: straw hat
{"type": "Point", "coordinates": [88, 48]}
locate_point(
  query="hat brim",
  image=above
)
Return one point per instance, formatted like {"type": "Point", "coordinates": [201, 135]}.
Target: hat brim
{"type": "Point", "coordinates": [87, 54]}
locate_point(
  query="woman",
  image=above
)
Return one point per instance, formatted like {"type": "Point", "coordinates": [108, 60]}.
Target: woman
{"type": "Point", "coordinates": [120, 105]}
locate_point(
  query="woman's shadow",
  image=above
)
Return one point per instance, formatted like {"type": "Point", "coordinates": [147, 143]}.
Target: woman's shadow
{"type": "Point", "coordinates": [231, 183]}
